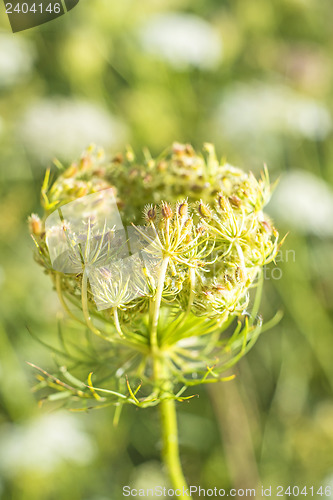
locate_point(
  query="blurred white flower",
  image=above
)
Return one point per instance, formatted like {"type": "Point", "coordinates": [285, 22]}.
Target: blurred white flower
{"type": "Point", "coordinates": [62, 128]}
{"type": "Point", "coordinates": [16, 59]}
{"type": "Point", "coordinates": [43, 444]}
{"type": "Point", "coordinates": [148, 476]}
{"type": "Point", "coordinates": [257, 110]}
{"type": "Point", "coordinates": [304, 202]}
{"type": "Point", "coordinates": [182, 40]}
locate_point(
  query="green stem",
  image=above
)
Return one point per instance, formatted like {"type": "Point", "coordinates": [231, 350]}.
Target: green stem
{"type": "Point", "coordinates": [157, 303]}
{"type": "Point", "coordinates": [170, 453]}
{"type": "Point", "coordinates": [116, 322]}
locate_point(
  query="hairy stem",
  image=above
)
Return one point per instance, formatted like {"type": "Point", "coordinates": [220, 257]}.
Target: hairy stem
{"type": "Point", "coordinates": [170, 453]}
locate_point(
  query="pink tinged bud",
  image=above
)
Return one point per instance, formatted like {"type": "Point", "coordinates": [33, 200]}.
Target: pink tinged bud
{"type": "Point", "coordinates": [235, 201]}
{"type": "Point", "coordinates": [166, 211]}
{"type": "Point", "coordinates": [151, 213]}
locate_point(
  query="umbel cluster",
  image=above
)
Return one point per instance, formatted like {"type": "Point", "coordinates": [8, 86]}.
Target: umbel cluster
{"type": "Point", "coordinates": [165, 275]}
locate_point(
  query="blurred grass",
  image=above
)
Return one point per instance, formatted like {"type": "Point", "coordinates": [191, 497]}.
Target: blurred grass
{"type": "Point", "coordinates": [282, 396]}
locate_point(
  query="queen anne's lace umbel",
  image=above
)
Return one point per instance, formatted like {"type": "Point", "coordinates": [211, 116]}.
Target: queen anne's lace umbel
{"type": "Point", "coordinates": [163, 253]}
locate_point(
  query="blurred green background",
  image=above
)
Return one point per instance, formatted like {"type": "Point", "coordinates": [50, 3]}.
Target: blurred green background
{"type": "Point", "coordinates": [253, 76]}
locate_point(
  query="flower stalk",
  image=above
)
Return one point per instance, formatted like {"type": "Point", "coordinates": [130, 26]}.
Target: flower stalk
{"type": "Point", "coordinates": [170, 451]}
{"type": "Point", "coordinates": [157, 303]}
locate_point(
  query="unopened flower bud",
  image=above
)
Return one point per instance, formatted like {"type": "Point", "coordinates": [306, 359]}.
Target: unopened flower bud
{"type": "Point", "coordinates": [188, 224]}
{"type": "Point", "coordinates": [204, 211]}
{"type": "Point", "coordinates": [150, 213]}
{"type": "Point", "coordinates": [166, 210]}
{"type": "Point", "coordinates": [267, 226]}
{"type": "Point", "coordinates": [85, 163]}
{"type": "Point", "coordinates": [70, 171]}
{"type": "Point", "coordinates": [240, 274]}
{"type": "Point", "coordinates": [223, 203]}
{"type": "Point", "coordinates": [235, 201]}
{"type": "Point", "coordinates": [183, 209]}
{"type": "Point", "coordinates": [35, 225]}
{"type": "Point", "coordinates": [81, 190]}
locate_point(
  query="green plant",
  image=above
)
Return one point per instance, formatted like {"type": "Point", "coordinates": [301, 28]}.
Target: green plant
{"type": "Point", "coordinates": [165, 317]}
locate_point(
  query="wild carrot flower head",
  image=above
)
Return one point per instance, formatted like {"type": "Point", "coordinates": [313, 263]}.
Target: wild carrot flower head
{"type": "Point", "coordinates": [162, 253]}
